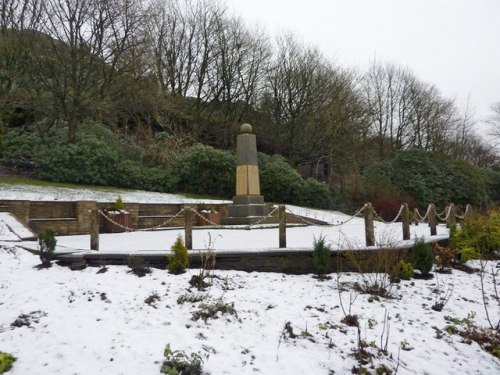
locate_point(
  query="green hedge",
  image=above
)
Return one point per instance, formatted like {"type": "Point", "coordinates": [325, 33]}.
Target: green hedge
{"type": "Point", "coordinates": [282, 184]}
{"type": "Point", "coordinates": [431, 178]}
{"type": "Point", "coordinates": [20, 148]}
{"type": "Point", "coordinates": [205, 170]}
{"type": "Point", "coordinates": [279, 182]}
{"type": "Point", "coordinates": [100, 157]}
{"type": "Point", "coordinates": [89, 161]}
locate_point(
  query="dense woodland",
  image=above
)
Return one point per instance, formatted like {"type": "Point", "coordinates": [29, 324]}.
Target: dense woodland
{"type": "Point", "coordinates": [151, 94]}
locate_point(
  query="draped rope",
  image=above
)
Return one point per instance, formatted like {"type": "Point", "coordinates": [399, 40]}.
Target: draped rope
{"type": "Point", "coordinates": [393, 220]}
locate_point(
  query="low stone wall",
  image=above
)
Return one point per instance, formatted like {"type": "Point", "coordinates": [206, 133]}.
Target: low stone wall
{"type": "Point", "coordinates": [73, 217]}
{"type": "Point", "coordinates": [297, 261]}
{"type": "Point", "coordinates": [64, 217]}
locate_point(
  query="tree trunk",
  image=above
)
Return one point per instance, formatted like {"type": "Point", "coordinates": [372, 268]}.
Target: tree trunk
{"type": "Point", "coordinates": [1, 133]}
{"type": "Point", "coordinates": [72, 125]}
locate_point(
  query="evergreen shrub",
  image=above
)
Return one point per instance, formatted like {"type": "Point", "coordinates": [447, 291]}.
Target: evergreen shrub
{"type": "Point", "coordinates": [422, 257]}
{"type": "Point", "coordinates": [101, 157]}
{"type": "Point", "coordinates": [279, 181]}
{"type": "Point", "coordinates": [316, 194]}
{"type": "Point", "coordinates": [98, 157]}
{"type": "Point", "coordinates": [138, 265]}
{"type": "Point", "coordinates": [178, 261]}
{"type": "Point", "coordinates": [478, 236]}
{"type": "Point", "coordinates": [6, 362]}
{"type": "Point", "coordinates": [402, 271]}
{"type": "Point", "coordinates": [47, 244]}
{"type": "Point", "coordinates": [321, 255]}
{"type": "Point", "coordinates": [118, 204]}
{"type": "Point", "coordinates": [88, 161]}
{"type": "Point", "coordinates": [206, 170]}
{"type": "Point", "coordinates": [132, 174]}
{"type": "Point", "coordinates": [429, 177]}
{"type": "Point", "coordinates": [19, 148]}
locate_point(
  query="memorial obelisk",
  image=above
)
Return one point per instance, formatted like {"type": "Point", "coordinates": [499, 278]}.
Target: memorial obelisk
{"type": "Point", "coordinates": [248, 205]}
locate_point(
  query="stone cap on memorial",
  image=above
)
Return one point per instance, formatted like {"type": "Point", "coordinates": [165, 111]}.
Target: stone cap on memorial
{"type": "Point", "coordinates": [246, 128]}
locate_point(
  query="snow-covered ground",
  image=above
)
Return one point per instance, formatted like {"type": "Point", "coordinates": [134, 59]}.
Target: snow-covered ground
{"type": "Point", "coordinates": [89, 323]}
{"type": "Point", "coordinates": [84, 322]}
{"type": "Point", "coordinates": [46, 193]}
{"type": "Point", "coordinates": [351, 234]}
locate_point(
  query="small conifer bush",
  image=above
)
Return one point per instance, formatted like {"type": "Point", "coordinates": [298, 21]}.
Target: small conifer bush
{"type": "Point", "coordinates": [118, 205]}
{"type": "Point", "coordinates": [422, 257]}
{"type": "Point", "coordinates": [405, 270]}
{"type": "Point", "coordinates": [47, 244]}
{"type": "Point", "coordinates": [321, 255]}
{"type": "Point", "coordinates": [402, 271]}
{"type": "Point", "coordinates": [6, 362]}
{"type": "Point", "coordinates": [178, 261]}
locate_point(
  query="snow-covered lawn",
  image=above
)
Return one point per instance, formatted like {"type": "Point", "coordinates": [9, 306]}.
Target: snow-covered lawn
{"type": "Point", "coordinates": [85, 322]}
{"type": "Point", "coordinates": [50, 193]}
{"type": "Point", "coordinates": [90, 323]}
{"type": "Point", "coordinates": [349, 235]}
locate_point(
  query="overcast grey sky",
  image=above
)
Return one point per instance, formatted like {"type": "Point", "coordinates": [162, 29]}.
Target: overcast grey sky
{"type": "Point", "coordinates": [453, 44]}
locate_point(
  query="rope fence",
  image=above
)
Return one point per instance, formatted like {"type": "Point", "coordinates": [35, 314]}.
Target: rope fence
{"type": "Point", "coordinates": [278, 216]}
{"type": "Point", "coordinates": [129, 229]}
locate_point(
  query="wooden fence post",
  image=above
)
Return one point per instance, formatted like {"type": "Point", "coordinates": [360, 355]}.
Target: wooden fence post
{"type": "Point", "coordinates": [94, 229]}
{"type": "Point", "coordinates": [450, 220]}
{"type": "Point", "coordinates": [405, 219]}
{"type": "Point", "coordinates": [188, 227]}
{"type": "Point", "coordinates": [282, 226]}
{"type": "Point", "coordinates": [432, 219]}
{"type": "Point", "coordinates": [369, 230]}
{"type": "Point", "coordinates": [469, 212]}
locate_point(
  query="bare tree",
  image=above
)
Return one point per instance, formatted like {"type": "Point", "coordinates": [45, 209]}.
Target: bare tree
{"type": "Point", "coordinates": [87, 41]}
{"type": "Point", "coordinates": [392, 97]}
{"type": "Point", "coordinates": [209, 65]}
{"type": "Point", "coordinates": [19, 20]}
{"type": "Point", "coordinates": [174, 34]}
{"type": "Point", "coordinates": [345, 130]}
{"type": "Point", "coordinates": [494, 120]}
{"type": "Point", "coordinates": [296, 89]}
{"type": "Point", "coordinates": [405, 112]}
{"type": "Point", "coordinates": [240, 64]}
{"type": "Point", "coordinates": [182, 38]}
{"type": "Point", "coordinates": [434, 118]}
{"type": "Point", "coordinates": [382, 92]}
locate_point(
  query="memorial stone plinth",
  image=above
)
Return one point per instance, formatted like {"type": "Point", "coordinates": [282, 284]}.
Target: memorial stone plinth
{"type": "Point", "coordinates": [248, 205]}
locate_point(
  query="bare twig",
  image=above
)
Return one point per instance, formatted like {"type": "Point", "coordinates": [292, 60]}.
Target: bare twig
{"type": "Point", "coordinates": [386, 326]}
{"type": "Point", "coordinates": [482, 276]}
{"type": "Point", "coordinates": [441, 296]}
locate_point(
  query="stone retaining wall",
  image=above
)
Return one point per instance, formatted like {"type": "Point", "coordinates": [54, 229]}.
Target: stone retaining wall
{"type": "Point", "coordinates": [297, 261]}
{"type": "Point", "coordinates": [73, 217]}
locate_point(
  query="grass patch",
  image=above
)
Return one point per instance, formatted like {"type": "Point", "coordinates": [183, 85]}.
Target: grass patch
{"type": "Point", "coordinates": [18, 180]}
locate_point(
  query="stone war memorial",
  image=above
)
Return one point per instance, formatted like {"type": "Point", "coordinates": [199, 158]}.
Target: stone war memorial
{"type": "Point", "coordinates": [248, 204]}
